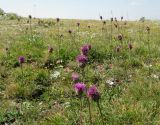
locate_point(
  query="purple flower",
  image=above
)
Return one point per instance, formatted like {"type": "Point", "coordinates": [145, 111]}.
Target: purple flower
{"type": "Point", "coordinates": [130, 46]}
{"type": "Point", "coordinates": [75, 76]}
{"type": "Point", "coordinates": [85, 49]}
{"type": "Point", "coordinates": [80, 88]}
{"type": "Point", "coordinates": [21, 59]}
{"type": "Point", "coordinates": [82, 60]}
{"type": "Point", "coordinates": [93, 93]}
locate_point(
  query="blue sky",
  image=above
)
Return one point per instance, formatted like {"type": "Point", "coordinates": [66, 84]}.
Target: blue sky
{"type": "Point", "coordinates": [84, 9]}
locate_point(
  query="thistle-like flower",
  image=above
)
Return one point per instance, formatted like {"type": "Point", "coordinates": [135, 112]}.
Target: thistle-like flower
{"type": "Point", "coordinates": [120, 37]}
{"type": "Point", "coordinates": [85, 49]}
{"type": "Point", "coordinates": [80, 88]}
{"type": "Point", "coordinates": [82, 60]}
{"type": "Point", "coordinates": [21, 59]}
{"type": "Point", "coordinates": [93, 93]}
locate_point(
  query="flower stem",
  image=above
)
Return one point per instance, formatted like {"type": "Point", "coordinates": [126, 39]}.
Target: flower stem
{"type": "Point", "coordinates": [149, 53]}
{"type": "Point", "coordinates": [100, 111]}
{"type": "Point", "coordinates": [81, 122]}
{"type": "Point", "coordinates": [111, 32]}
{"type": "Point", "coordinates": [89, 108]}
{"type": "Point", "coordinates": [30, 25]}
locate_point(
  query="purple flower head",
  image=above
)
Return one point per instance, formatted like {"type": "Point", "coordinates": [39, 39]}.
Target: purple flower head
{"type": "Point", "coordinates": [80, 88]}
{"type": "Point", "coordinates": [120, 37]}
{"type": "Point", "coordinates": [75, 76]}
{"type": "Point", "coordinates": [21, 59]}
{"type": "Point", "coordinates": [130, 46]}
{"type": "Point", "coordinates": [85, 49]}
{"type": "Point", "coordinates": [50, 49]}
{"type": "Point", "coordinates": [93, 93]}
{"type": "Point", "coordinates": [82, 60]}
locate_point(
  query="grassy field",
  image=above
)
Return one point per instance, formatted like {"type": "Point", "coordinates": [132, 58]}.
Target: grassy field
{"type": "Point", "coordinates": [123, 63]}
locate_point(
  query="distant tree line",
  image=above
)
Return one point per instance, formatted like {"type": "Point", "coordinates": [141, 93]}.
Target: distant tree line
{"type": "Point", "coordinates": [10, 16]}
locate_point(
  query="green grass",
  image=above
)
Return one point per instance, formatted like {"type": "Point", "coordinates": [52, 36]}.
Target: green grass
{"type": "Point", "coordinates": [32, 95]}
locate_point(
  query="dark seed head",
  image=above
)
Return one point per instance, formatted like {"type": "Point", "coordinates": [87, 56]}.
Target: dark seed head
{"type": "Point", "coordinates": [115, 19]}
{"type": "Point", "coordinates": [70, 31]}
{"type": "Point", "coordinates": [30, 17]}
{"type": "Point", "coordinates": [130, 46]}
{"type": "Point", "coordinates": [118, 49]}
{"type": "Point", "coordinates": [101, 17]}
{"type": "Point", "coordinates": [120, 37]}
{"type": "Point", "coordinates": [111, 19]}
{"type": "Point", "coordinates": [148, 29]}
{"type": "Point", "coordinates": [50, 49]}
{"type": "Point", "coordinates": [57, 20]}
{"type": "Point", "coordinates": [78, 24]}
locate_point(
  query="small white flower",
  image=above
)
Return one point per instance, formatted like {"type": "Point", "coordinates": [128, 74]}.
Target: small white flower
{"type": "Point", "coordinates": [155, 76]}
{"type": "Point", "coordinates": [55, 75]}
{"type": "Point", "coordinates": [110, 82]}
{"type": "Point", "coordinates": [66, 105]}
